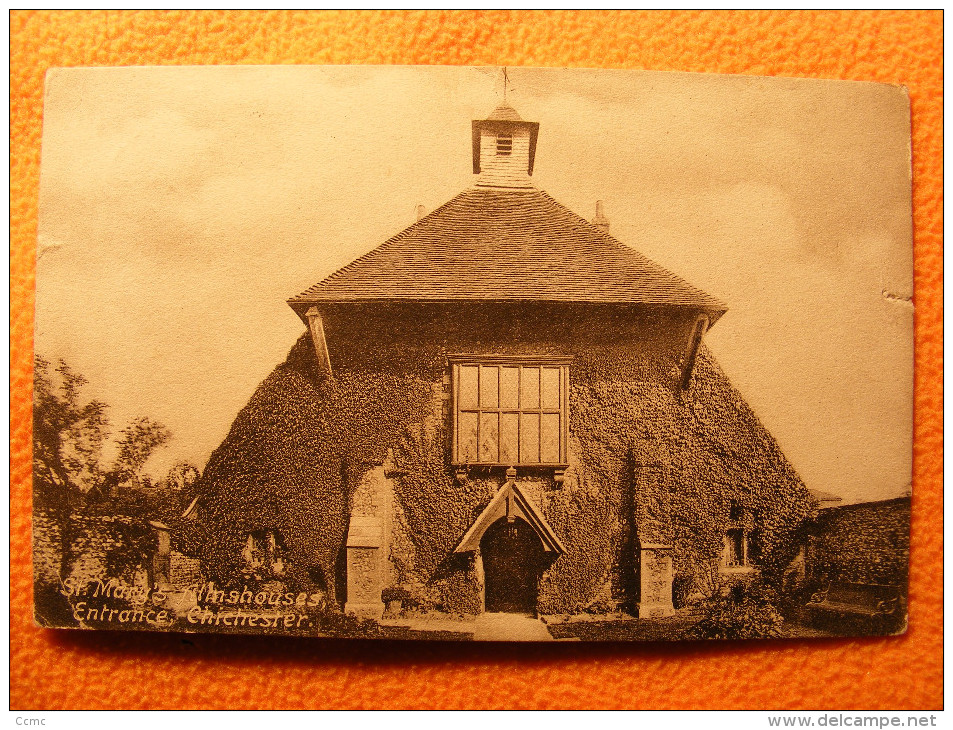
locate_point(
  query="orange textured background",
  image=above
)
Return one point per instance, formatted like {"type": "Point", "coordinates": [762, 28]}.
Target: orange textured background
{"type": "Point", "coordinates": [62, 669]}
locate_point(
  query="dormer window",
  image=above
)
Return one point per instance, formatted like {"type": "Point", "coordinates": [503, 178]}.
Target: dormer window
{"type": "Point", "coordinates": [504, 144]}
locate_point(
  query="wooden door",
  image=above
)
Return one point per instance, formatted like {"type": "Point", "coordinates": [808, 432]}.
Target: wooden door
{"type": "Point", "coordinates": [512, 563]}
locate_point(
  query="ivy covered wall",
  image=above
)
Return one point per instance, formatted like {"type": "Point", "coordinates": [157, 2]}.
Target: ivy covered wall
{"type": "Point", "coordinates": [298, 450]}
{"type": "Point", "coordinates": [862, 543]}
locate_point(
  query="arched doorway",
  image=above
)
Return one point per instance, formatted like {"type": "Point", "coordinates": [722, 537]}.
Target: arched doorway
{"type": "Point", "coordinates": [512, 563]}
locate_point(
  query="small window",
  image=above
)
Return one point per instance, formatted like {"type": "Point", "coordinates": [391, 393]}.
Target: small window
{"type": "Point", "coordinates": [739, 545]}
{"type": "Point", "coordinates": [264, 553]}
{"type": "Point", "coordinates": [734, 512]}
{"type": "Point", "coordinates": [504, 144]}
{"type": "Point", "coordinates": [510, 412]}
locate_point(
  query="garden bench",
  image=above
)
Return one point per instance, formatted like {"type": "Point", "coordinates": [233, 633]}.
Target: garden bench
{"type": "Point", "coordinates": [874, 605]}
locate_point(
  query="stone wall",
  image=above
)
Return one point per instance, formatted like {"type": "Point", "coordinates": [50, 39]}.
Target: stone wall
{"type": "Point", "coordinates": [114, 550]}
{"type": "Point", "coordinates": [47, 549]}
{"type": "Point", "coordinates": [183, 570]}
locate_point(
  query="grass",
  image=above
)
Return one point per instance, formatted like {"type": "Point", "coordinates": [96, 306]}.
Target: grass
{"type": "Point", "coordinates": [669, 628]}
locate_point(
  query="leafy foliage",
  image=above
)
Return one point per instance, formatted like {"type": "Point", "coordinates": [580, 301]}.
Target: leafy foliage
{"type": "Point", "coordinates": [182, 477]}
{"type": "Point", "coordinates": [741, 611]}
{"type": "Point", "coordinates": [297, 451]}
{"type": "Point", "coordinates": [68, 435]}
{"type": "Point", "coordinates": [137, 442]}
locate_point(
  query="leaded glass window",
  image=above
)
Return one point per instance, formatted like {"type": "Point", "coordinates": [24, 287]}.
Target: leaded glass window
{"type": "Point", "coordinates": [510, 411]}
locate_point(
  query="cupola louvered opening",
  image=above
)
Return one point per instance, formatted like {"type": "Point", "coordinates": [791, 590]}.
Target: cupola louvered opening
{"type": "Point", "coordinates": [504, 144]}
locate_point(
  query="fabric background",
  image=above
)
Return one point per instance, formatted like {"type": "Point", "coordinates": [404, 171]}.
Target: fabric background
{"type": "Point", "coordinates": [102, 670]}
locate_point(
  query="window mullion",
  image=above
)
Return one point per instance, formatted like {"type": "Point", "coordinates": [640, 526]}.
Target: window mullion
{"type": "Point", "coordinates": [539, 421]}
{"type": "Point", "coordinates": [563, 410]}
{"type": "Point", "coordinates": [499, 412]}
{"type": "Point", "coordinates": [456, 412]}
{"type": "Point", "coordinates": [479, 418]}
{"type": "Point", "coordinates": [519, 415]}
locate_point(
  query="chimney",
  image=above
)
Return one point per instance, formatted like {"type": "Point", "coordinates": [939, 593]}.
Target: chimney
{"type": "Point", "coordinates": [421, 212]}
{"type": "Point", "coordinates": [600, 221]}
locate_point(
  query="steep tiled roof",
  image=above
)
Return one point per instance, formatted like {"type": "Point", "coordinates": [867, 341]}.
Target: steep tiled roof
{"type": "Point", "coordinates": [506, 245]}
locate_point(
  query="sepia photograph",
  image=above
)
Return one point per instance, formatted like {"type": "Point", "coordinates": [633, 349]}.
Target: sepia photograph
{"type": "Point", "coordinates": [472, 354]}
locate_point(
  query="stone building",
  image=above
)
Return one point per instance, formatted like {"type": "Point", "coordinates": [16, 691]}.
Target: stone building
{"type": "Point", "coordinates": [501, 408]}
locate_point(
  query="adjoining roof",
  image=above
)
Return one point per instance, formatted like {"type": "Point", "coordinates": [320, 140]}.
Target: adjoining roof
{"type": "Point", "coordinates": [512, 245]}
{"type": "Point", "coordinates": [822, 496]}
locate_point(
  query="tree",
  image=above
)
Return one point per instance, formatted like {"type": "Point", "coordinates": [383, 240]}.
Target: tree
{"type": "Point", "coordinates": [182, 477]}
{"type": "Point", "coordinates": [136, 444]}
{"type": "Point", "coordinates": [68, 440]}
{"type": "Point", "coordinates": [68, 436]}
{"type": "Point", "coordinates": [182, 481]}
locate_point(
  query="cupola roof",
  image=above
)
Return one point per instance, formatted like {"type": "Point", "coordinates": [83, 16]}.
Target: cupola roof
{"type": "Point", "coordinates": [505, 113]}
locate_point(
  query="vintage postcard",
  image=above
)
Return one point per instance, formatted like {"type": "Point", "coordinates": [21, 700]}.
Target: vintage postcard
{"type": "Point", "coordinates": [472, 354]}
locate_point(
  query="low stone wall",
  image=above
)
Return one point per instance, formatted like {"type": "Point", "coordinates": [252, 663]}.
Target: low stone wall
{"type": "Point", "coordinates": [183, 570]}
{"type": "Point", "coordinates": [102, 547]}
{"type": "Point", "coordinates": [47, 549]}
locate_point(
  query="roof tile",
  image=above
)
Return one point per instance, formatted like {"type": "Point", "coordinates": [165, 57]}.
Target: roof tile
{"type": "Point", "coordinates": [506, 245]}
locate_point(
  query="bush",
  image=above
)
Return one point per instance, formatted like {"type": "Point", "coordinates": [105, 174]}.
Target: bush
{"type": "Point", "coordinates": [397, 594]}
{"type": "Point", "coordinates": [600, 607]}
{"type": "Point", "coordinates": [333, 623]}
{"type": "Point", "coordinates": [684, 588]}
{"type": "Point", "coordinates": [743, 611]}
